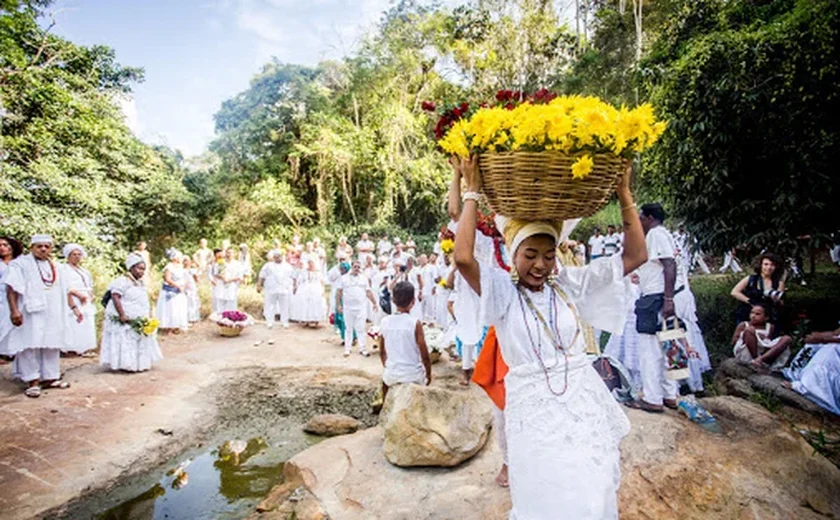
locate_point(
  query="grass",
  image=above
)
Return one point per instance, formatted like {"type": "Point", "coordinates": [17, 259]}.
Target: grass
{"type": "Point", "coordinates": [768, 401]}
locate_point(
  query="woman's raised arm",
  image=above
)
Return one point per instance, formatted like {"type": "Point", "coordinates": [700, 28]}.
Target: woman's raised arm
{"type": "Point", "coordinates": [464, 254]}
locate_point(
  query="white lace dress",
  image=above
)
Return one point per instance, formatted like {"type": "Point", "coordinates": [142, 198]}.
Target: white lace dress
{"type": "Point", "coordinates": [122, 348]}
{"type": "Point", "coordinates": [173, 307]}
{"type": "Point", "coordinates": [563, 450]}
{"type": "Point", "coordinates": [79, 337]}
{"type": "Point", "coordinates": [310, 302]}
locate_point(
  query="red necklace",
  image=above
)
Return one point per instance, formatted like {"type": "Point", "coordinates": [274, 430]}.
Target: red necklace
{"type": "Point", "coordinates": [48, 282]}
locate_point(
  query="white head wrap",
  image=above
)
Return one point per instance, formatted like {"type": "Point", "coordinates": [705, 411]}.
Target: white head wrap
{"type": "Point", "coordinates": [274, 253]}
{"type": "Point", "coordinates": [40, 239]}
{"type": "Point", "coordinates": [133, 259]}
{"type": "Point", "coordinates": [528, 230]}
{"type": "Point", "coordinates": [173, 253]}
{"type": "Point", "coordinates": [69, 248]}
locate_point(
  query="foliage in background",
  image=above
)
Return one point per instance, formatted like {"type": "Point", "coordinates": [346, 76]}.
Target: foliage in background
{"type": "Point", "coordinates": [751, 152]}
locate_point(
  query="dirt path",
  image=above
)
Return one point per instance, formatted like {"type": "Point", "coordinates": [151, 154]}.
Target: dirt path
{"type": "Point", "coordinates": [56, 447]}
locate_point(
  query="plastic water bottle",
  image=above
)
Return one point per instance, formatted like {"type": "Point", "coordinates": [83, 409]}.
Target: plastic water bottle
{"type": "Point", "coordinates": [697, 414]}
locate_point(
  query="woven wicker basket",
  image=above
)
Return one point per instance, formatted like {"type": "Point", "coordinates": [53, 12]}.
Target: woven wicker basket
{"type": "Point", "coordinates": [229, 332]}
{"type": "Point", "coordinates": [539, 185]}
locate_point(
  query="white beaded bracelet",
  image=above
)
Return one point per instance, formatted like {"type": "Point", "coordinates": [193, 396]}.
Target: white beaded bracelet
{"type": "Point", "coordinates": [471, 195]}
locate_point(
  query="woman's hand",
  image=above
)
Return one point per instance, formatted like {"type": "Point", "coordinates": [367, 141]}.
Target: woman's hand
{"type": "Point", "coordinates": [624, 183]}
{"type": "Point", "coordinates": [79, 316]}
{"type": "Point", "coordinates": [470, 173]}
{"type": "Point", "coordinates": [124, 318]}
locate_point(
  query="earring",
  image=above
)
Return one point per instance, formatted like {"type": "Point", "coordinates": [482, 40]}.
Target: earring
{"type": "Point", "coordinates": [514, 275]}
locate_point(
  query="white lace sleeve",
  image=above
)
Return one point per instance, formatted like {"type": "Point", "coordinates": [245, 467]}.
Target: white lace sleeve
{"type": "Point", "coordinates": [598, 292]}
{"type": "Point", "coordinates": [497, 291]}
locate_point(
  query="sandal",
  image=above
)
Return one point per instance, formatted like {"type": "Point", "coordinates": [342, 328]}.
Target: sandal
{"type": "Point", "coordinates": [58, 384]}
{"type": "Point", "coordinates": [32, 391]}
{"type": "Point", "coordinates": [641, 405]}
{"type": "Point", "coordinates": [671, 403]}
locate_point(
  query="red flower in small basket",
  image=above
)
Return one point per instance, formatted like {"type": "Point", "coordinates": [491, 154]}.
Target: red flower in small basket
{"type": "Point", "coordinates": [235, 316]}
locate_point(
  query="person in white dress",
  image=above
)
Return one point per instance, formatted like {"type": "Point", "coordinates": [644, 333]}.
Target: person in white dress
{"type": "Point", "coordinates": [379, 283]}
{"type": "Point", "coordinates": [563, 427]}
{"type": "Point", "coordinates": [624, 346]}
{"type": "Point", "coordinates": [411, 246]}
{"type": "Point", "coordinates": [351, 301]}
{"type": "Point", "coordinates": [365, 249]}
{"type": "Point", "coordinates": [815, 371]}
{"type": "Point", "coordinates": [442, 293]}
{"type": "Point", "coordinates": [753, 341]}
{"type": "Point", "coordinates": [191, 274]}
{"type": "Point", "coordinates": [122, 347]}
{"type": "Point", "coordinates": [80, 319]}
{"type": "Point", "coordinates": [37, 313]}
{"type": "Point", "coordinates": [343, 251]}
{"type": "Point", "coordinates": [321, 253]}
{"type": "Point", "coordinates": [658, 279]}
{"type": "Point", "coordinates": [172, 306]}
{"type": "Point", "coordinates": [277, 280]}
{"type": "Point", "coordinates": [409, 273]}
{"type": "Point", "coordinates": [311, 306]}
{"type": "Point", "coordinates": [427, 274]}
{"type": "Point", "coordinates": [9, 250]}
{"type": "Point", "coordinates": [246, 268]}
{"type": "Point", "coordinates": [203, 257]}
{"type": "Point", "coordinates": [225, 276]}
{"type": "Point", "coordinates": [403, 350]}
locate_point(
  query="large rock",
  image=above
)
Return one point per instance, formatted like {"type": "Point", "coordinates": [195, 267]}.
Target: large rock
{"type": "Point", "coordinates": [427, 426]}
{"type": "Point", "coordinates": [671, 469]}
{"type": "Point", "coordinates": [331, 424]}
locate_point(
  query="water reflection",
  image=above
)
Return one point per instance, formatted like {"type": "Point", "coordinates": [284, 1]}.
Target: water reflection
{"type": "Point", "coordinates": [216, 483]}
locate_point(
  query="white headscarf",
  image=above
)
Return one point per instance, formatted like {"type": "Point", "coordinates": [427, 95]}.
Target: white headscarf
{"type": "Point", "coordinates": [173, 253]}
{"type": "Point", "coordinates": [69, 248]}
{"type": "Point", "coordinates": [534, 228]}
{"type": "Point", "coordinates": [132, 260]}
{"type": "Point", "coordinates": [40, 239]}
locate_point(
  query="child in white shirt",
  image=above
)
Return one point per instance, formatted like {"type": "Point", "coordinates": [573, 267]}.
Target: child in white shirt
{"type": "Point", "coordinates": [402, 345]}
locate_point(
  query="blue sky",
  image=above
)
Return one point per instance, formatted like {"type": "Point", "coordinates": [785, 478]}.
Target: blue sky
{"type": "Point", "coordinates": [197, 53]}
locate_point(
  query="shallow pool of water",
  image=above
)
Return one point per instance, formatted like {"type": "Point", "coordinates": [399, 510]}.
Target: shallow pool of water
{"type": "Point", "coordinates": [226, 481]}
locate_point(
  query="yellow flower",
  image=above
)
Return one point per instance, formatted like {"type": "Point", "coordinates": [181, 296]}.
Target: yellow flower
{"type": "Point", "coordinates": [151, 327]}
{"type": "Point", "coordinates": [582, 167]}
{"type": "Point", "coordinates": [447, 246]}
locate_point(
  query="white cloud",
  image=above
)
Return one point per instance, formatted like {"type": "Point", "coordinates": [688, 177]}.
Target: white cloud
{"type": "Point", "coordinates": [129, 110]}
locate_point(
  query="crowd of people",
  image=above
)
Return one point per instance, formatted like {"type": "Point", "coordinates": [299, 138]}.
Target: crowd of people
{"type": "Point", "coordinates": [519, 294]}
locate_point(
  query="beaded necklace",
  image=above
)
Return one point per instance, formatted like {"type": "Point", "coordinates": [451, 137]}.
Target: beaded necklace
{"type": "Point", "coordinates": [47, 281]}
{"type": "Point", "coordinates": [551, 330]}
{"type": "Point", "coordinates": [81, 275]}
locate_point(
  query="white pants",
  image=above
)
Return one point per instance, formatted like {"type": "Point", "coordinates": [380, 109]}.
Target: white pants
{"type": "Point", "coordinates": [37, 364]}
{"type": "Point", "coordinates": [730, 262]}
{"type": "Point", "coordinates": [468, 355]}
{"type": "Point", "coordinates": [698, 260]}
{"type": "Point", "coordinates": [354, 321]}
{"type": "Point", "coordinates": [274, 304]}
{"type": "Point", "coordinates": [428, 307]}
{"type": "Point", "coordinates": [499, 426]}
{"type": "Point", "coordinates": [655, 386]}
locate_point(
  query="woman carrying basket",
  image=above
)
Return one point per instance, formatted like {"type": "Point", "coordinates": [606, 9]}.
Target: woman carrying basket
{"type": "Point", "coordinates": [563, 427]}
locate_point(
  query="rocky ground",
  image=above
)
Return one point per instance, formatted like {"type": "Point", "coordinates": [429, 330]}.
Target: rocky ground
{"type": "Point", "coordinates": [109, 427]}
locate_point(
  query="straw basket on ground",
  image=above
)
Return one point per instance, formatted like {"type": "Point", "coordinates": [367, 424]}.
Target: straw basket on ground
{"type": "Point", "coordinates": [230, 332]}
{"type": "Point", "coordinates": [539, 185]}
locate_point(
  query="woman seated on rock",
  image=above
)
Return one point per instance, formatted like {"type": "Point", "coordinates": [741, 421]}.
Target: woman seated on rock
{"type": "Point", "coordinates": [752, 341]}
{"type": "Point", "coordinates": [563, 427]}
{"type": "Point", "coordinates": [402, 344]}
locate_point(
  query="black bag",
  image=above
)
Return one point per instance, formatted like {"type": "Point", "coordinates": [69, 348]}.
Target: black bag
{"type": "Point", "coordinates": [106, 298]}
{"type": "Point", "coordinates": [647, 313]}
{"type": "Point", "coordinates": [385, 300]}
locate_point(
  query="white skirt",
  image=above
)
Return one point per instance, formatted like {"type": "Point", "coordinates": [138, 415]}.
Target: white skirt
{"type": "Point", "coordinates": [124, 349]}
{"type": "Point", "coordinates": [172, 310]}
{"type": "Point", "coordinates": [80, 337]}
{"type": "Point", "coordinates": [193, 307]}
{"type": "Point", "coordinates": [309, 304]}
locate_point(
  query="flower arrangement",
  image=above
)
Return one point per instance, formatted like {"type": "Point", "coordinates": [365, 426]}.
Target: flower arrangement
{"type": "Point", "coordinates": [236, 319]}
{"type": "Point", "coordinates": [447, 245]}
{"type": "Point", "coordinates": [543, 121]}
{"type": "Point", "coordinates": [142, 326]}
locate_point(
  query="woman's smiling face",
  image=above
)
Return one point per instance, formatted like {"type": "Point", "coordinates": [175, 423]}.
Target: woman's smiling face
{"type": "Point", "coordinates": [535, 260]}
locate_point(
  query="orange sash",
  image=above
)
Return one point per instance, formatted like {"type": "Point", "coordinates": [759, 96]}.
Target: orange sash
{"type": "Point", "coordinates": [490, 369]}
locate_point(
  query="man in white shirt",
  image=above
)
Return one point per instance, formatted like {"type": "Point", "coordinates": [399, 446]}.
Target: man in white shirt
{"type": "Point", "coordinates": [204, 256]}
{"type": "Point", "coordinates": [596, 245]}
{"type": "Point", "coordinates": [364, 248]}
{"type": "Point", "coordinates": [277, 278]}
{"type": "Point", "coordinates": [384, 246]}
{"type": "Point", "coordinates": [612, 242]}
{"type": "Point", "coordinates": [350, 300]}
{"type": "Point", "coordinates": [399, 258]}
{"type": "Point", "coordinates": [657, 280]}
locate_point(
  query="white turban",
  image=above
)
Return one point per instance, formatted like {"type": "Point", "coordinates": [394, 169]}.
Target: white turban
{"type": "Point", "coordinates": [69, 248]}
{"type": "Point", "coordinates": [133, 259]}
{"type": "Point", "coordinates": [40, 239]}
{"type": "Point", "coordinates": [173, 253]}
{"type": "Point", "coordinates": [274, 253]}
{"type": "Point", "coordinates": [526, 230]}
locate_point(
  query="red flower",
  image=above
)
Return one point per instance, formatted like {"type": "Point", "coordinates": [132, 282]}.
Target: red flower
{"type": "Point", "coordinates": [517, 95]}
{"type": "Point", "coordinates": [510, 106]}
{"type": "Point", "coordinates": [428, 106]}
{"type": "Point", "coordinates": [465, 107]}
{"type": "Point", "coordinates": [500, 95]}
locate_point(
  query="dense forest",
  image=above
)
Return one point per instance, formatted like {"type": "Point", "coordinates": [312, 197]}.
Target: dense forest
{"type": "Point", "coordinates": [748, 89]}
